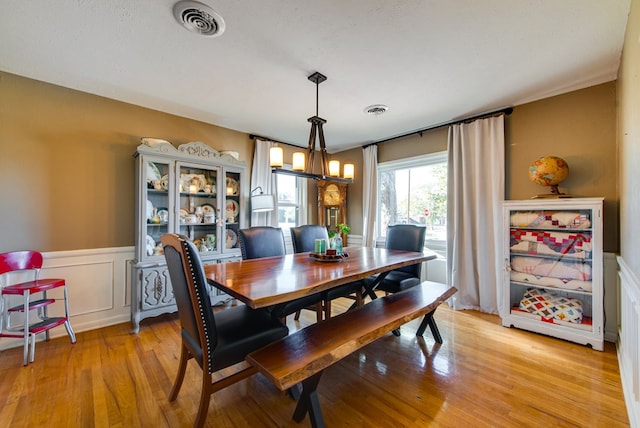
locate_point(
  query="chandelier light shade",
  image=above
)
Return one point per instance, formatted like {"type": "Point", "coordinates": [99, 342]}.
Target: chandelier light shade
{"type": "Point", "coordinates": [298, 161]}
{"type": "Point", "coordinates": [349, 171]}
{"type": "Point", "coordinates": [334, 168]}
{"type": "Point", "coordinates": [276, 157]}
{"type": "Point", "coordinates": [302, 165]}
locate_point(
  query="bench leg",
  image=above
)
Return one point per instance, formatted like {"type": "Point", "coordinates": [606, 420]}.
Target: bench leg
{"type": "Point", "coordinates": [309, 403]}
{"type": "Point", "coordinates": [429, 321]}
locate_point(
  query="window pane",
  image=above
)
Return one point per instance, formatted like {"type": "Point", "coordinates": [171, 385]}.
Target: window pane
{"type": "Point", "coordinates": [415, 195]}
{"type": "Point", "coordinates": [289, 201]}
{"type": "Point", "coordinates": [287, 189]}
{"type": "Point", "coordinates": [287, 217]}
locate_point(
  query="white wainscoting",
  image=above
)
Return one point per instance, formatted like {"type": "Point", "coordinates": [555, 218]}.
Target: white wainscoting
{"type": "Point", "coordinates": [98, 282]}
{"type": "Point", "coordinates": [629, 340]}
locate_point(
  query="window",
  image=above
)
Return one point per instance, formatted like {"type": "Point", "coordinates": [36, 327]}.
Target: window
{"type": "Point", "coordinates": [291, 201]}
{"type": "Point", "coordinates": [415, 191]}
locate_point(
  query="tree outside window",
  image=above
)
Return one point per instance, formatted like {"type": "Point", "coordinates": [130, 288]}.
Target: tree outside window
{"type": "Point", "coordinates": [415, 192]}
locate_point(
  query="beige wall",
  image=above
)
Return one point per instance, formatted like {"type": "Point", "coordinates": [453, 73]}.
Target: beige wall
{"type": "Point", "coordinates": [67, 168]}
{"type": "Point", "coordinates": [578, 126]}
{"type": "Point", "coordinates": [629, 142]}
{"type": "Point", "coordinates": [66, 164]}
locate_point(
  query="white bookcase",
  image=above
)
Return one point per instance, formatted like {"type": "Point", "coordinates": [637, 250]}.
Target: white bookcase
{"type": "Point", "coordinates": [553, 281]}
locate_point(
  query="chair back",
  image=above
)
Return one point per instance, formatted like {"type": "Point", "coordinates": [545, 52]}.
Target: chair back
{"type": "Point", "coordinates": [20, 260]}
{"type": "Point", "coordinates": [407, 237]}
{"type": "Point", "coordinates": [198, 327]}
{"type": "Point", "coordinates": [304, 237]}
{"type": "Point", "coordinates": [261, 241]}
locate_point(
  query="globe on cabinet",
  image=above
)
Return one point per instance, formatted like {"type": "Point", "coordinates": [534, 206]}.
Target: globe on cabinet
{"type": "Point", "coordinates": [549, 171]}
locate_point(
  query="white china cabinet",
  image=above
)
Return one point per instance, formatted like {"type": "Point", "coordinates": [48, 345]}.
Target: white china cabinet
{"type": "Point", "coordinates": [553, 282]}
{"type": "Point", "coordinates": [192, 190]}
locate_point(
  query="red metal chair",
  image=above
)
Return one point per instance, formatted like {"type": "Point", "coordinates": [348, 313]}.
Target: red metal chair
{"type": "Point", "coordinates": [29, 262]}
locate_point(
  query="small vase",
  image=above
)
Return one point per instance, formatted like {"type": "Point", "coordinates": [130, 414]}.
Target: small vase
{"type": "Point", "coordinates": [336, 243]}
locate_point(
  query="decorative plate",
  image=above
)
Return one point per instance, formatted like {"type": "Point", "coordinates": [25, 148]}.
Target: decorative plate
{"type": "Point", "coordinates": [232, 187]}
{"type": "Point", "coordinates": [208, 208]}
{"type": "Point", "coordinates": [151, 246]}
{"type": "Point", "coordinates": [149, 210]}
{"type": "Point", "coordinates": [231, 210]}
{"type": "Point", "coordinates": [152, 142]}
{"type": "Point", "coordinates": [165, 182]}
{"type": "Point", "coordinates": [183, 213]}
{"type": "Point", "coordinates": [153, 173]}
{"type": "Point", "coordinates": [163, 213]}
{"type": "Point", "coordinates": [232, 238]}
{"type": "Point", "coordinates": [188, 179]}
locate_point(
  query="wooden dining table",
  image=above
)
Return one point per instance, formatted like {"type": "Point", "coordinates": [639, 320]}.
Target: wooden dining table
{"type": "Point", "coordinates": [268, 281]}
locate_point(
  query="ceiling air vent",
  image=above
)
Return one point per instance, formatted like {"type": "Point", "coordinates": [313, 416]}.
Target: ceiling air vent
{"type": "Point", "coordinates": [198, 18]}
{"type": "Point", "coordinates": [376, 109]}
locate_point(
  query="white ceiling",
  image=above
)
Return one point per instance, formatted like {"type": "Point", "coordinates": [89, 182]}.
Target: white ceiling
{"type": "Point", "coordinates": [430, 61]}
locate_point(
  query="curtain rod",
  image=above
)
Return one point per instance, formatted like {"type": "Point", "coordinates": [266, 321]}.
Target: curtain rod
{"type": "Point", "coordinates": [507, 111]}
{"type": "Point", "coordinates": [254, 136]}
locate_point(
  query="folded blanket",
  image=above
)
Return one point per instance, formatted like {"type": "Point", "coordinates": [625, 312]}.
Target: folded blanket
{"type": "Point", "coordinates": [545, 281]}
{"type": "Point", "coordinates": [562, 219]}
{"type": "Point", "coordinates": [551, 306]}
{"type": "Point", "coordinates": [552, 268]}
{"type": "Point", "coordinates": [573, 244]}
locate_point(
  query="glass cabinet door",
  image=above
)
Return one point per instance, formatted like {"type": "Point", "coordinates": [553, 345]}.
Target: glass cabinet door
{"type": "Point", "coordinates": [232, 210]}
{"type": "Point", "coordinates": [198, 212]}
{"type": "Point", "coordinates": [156, 206]}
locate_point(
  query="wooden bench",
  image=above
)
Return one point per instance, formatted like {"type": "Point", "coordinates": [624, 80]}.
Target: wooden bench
{"type": "Point", "coordinates": [302, 356]}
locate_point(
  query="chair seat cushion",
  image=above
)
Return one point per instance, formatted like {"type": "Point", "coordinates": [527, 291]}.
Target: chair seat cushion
{"type": "Point", "coordinates": [242, 330]}
{"type": "Point", "coordinates": [344, 290]}
{"type": "Point", "coordinates": [281, 310]}
{"type": "Point", "coordinates": [397, 281]}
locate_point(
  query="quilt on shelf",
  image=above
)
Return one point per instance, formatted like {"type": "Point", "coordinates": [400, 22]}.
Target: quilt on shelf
{"type": "Point", "coordinates": [562, 219]}
{"type": "Point", "coordinates": [543, 242]}
{"type": "Point", "coordinates": [550, 306]}
{"type": "Point", "coordinates": [553, 268]}
{"type": "Point", "coordinates": [546, 281]}
{"type": "Point", "coordinates": [570, 275]}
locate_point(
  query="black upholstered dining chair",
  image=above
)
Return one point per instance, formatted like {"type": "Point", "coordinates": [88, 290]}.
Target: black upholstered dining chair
{"type": "Point", "coordinates": [407, 237]}
{"type": "Point", "coordinates": [215, 340]}
{"type": "Point", "coordinates": [303, 239]}
{"type": "Point", "coordinates": [266, 241]}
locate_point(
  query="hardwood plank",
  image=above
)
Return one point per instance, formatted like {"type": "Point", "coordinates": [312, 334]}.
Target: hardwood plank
{"type": "Point", "coordinates": [483, 375]}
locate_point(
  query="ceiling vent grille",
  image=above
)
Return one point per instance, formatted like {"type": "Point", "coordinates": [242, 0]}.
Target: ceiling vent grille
{"type": "Point", "coordinates": [199, 18]}
{"type": "Point", "coordinates": [376, 109]}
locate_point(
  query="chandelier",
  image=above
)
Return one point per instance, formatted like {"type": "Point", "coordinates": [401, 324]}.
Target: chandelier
{"type": "Point", "coordinates": [302, 165]}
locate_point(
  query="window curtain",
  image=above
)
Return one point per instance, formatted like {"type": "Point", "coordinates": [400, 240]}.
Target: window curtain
{"type": "Point", "coordinates": [369, 194]}
{"type": "Point", "coordinates": [474, 212]}
{"type": "Point", "coordinates": [261, 176]}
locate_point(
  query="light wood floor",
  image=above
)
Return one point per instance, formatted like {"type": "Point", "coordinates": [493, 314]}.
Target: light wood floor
{"type": "Point", "coordinates": [483, 375]}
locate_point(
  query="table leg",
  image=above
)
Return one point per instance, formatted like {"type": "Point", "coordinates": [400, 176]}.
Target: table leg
{"type": "Point", "coordinates": [309, 403]}
{"type": "Point", "coordinates": [369, 290]}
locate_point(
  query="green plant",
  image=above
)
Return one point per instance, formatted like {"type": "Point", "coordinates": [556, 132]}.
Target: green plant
{"type": "Point", "coordinates": [341, 228]}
